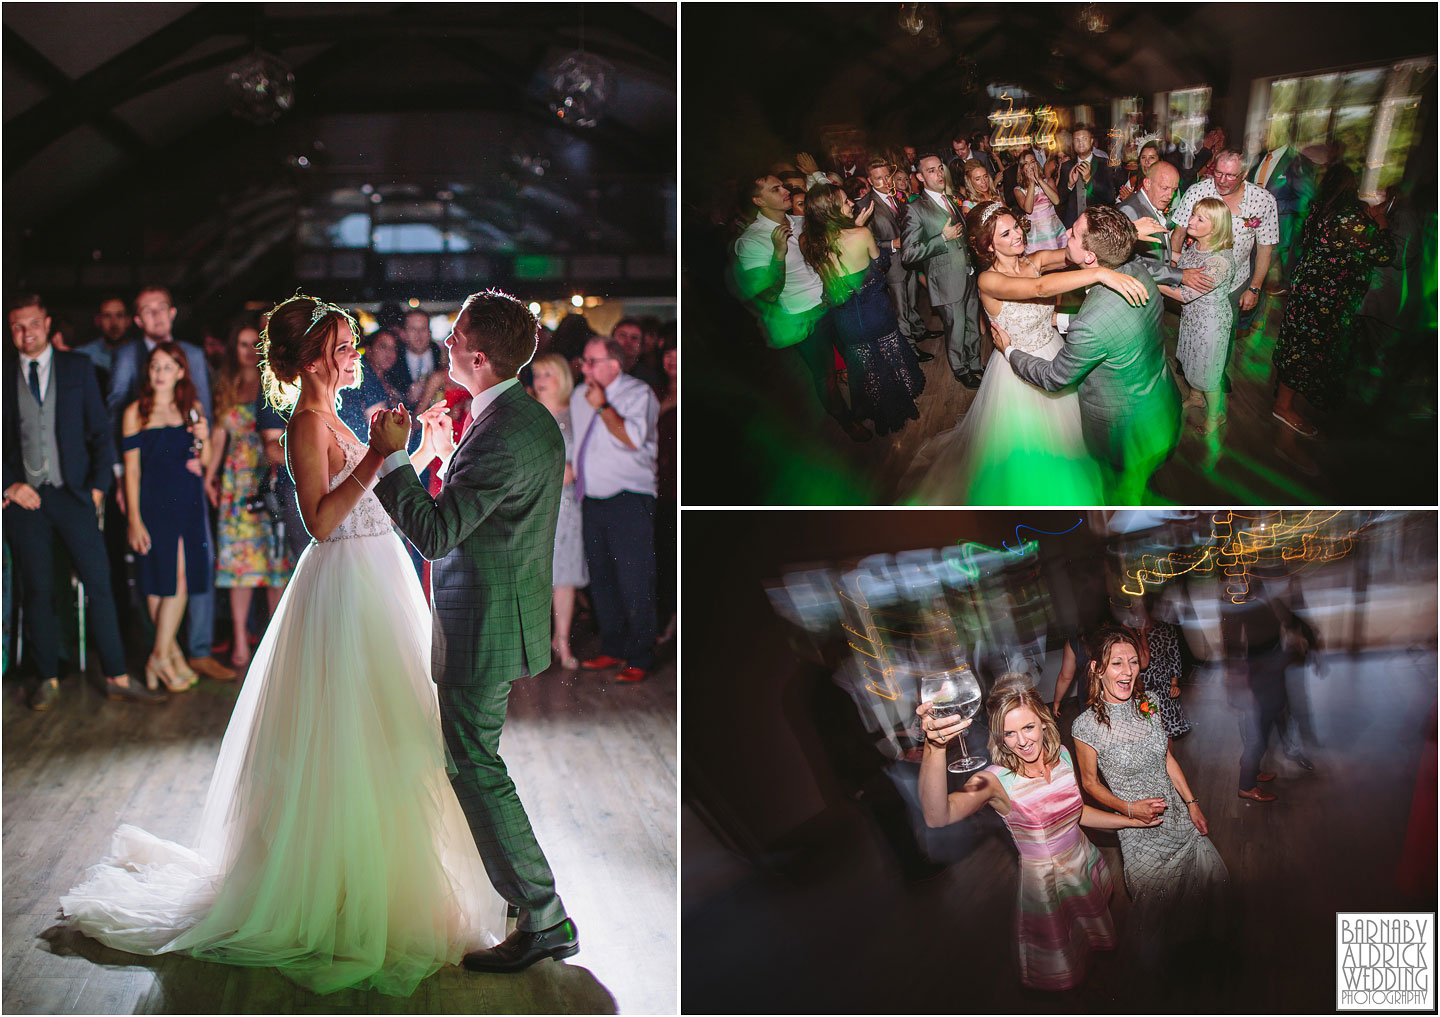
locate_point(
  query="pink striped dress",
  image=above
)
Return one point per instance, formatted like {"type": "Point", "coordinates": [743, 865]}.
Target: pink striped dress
{"type": "Point", "coordinates": [1063, 907]}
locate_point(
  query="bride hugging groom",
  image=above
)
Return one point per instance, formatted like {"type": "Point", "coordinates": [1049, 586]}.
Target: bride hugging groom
{"type": "Point", "coordinates": [1029, 437]}
{"type": "Point", "coordinates": [339, 837]}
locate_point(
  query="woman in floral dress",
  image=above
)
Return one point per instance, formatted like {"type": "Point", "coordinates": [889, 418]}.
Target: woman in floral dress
{"type": "Point", "coordinates": [1177, 881]}
{"type": "Point", "coordinates": [1062, 911]}
{"type": "Point", "coordinates": [1343, 241]}
{"type": "Point", "coordinates": [251, 554]}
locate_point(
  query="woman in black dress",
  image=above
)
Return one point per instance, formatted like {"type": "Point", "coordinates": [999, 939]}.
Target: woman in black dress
{"type": "Point", "coordinates": [1343, 241]}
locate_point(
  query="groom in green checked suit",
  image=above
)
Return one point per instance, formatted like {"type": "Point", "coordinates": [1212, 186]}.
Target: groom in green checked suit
{"type": "Point", "coordinates": [1129, 405]}
{"type": "Point", "coordinates": [491, 535]}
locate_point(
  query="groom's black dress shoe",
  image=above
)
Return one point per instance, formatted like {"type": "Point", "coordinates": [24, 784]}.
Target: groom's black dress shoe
{"type": "Point", "coordinates": [522, 949]}
{"type": "Point", "coordinates": [970, 379]}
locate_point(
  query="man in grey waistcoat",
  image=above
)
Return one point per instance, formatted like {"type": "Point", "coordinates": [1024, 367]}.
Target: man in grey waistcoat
{"type": "Point", "coordinates": [58, 465]}
{"type": "Point", "coordinates": [1151, 200]}
{"type": "Point", "coordinates": [1129, 405]}
{"type": "Point", "coordinates": [491, 535]}
{"type": "Point", "coordinates": [934, 243]}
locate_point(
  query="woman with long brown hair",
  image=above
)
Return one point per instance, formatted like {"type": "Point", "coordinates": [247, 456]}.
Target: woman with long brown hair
{"type": "Point", "coordinates": [1062, 906]}
{"type": "Point", "coordinates": [1176, 878]}
{"type": "Point", "coordinates": [165, 504]}
{"type": "Point", "coordinates": [885, 375]}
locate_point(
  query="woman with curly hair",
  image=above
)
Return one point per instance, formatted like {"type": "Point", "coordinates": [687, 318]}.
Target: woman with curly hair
{"type": "Point", "coordinates": [885, 375]}
{"type": "Point", "coordinates": [1017, 444]}
{"type": "Point", "coordinates": [1062, 909]}
{"type": "Point", "coordinates": [1176, 879]}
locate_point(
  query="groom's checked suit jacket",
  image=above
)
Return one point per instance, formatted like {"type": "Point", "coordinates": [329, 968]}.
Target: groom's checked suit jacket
{"type": "Point", "coordinates": [1129, 405]}
{"type": "Point", "coordinates": [491, 534]}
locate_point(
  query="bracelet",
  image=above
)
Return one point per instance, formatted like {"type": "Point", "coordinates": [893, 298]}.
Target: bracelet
{"type": "Point", "coordinates": [358, 481]}
{"type": "Point", "coordinates": [1190, 802]}
{"type": "Point", "coordinates": [1127, 811]}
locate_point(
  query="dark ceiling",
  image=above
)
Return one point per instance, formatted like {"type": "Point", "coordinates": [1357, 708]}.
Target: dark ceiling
{"type": "Point", "coordinates": [120, 146]}
{"type": "Point", "coordinates": [809, 67]}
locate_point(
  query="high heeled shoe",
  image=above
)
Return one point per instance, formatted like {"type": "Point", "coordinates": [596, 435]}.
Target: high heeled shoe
{"type": "Point", "coordinates": [562, 653]}
{"type": "Point", "coordinates": [158, 670]}
{"type": "Point", "coordinates": [184, 675]}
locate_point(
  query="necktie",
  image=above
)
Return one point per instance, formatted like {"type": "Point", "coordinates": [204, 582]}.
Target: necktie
{"type": "Point", "coordinates": [953, 210]}
{"type": "Point", "coordinates": [1260, 177]}
{"type": "Point", "coordinates": [35, 379]}
{"type": "Point", "coordinates": [580, 455]}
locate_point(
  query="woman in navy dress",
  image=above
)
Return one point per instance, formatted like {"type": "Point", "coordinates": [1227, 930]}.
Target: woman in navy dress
{"type": "Point", "coordinates": [885, 375]}
{"type": "Point", "coordinates": [165, 503]}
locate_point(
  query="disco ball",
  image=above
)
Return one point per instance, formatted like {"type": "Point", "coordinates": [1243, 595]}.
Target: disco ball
{"type": "Point", "coordinates": [262, 88]}
{"type": "Point", "coordinates": [580, 88]}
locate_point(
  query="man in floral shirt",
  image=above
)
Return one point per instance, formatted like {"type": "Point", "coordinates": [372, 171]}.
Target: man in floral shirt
{"type": "Point", "coordinates": [1254, 222]}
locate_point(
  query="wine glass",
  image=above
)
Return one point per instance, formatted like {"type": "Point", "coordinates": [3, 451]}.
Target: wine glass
{"type": "Point", "coordinates": [950, 693]}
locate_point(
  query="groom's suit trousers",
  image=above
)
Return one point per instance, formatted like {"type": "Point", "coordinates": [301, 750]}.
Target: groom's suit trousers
{"type": "Point", "coordinates": [471, 717]}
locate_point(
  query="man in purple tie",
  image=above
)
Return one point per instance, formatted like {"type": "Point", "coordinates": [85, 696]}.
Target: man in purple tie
{"type": "Point", "coordinates": [615, 417]}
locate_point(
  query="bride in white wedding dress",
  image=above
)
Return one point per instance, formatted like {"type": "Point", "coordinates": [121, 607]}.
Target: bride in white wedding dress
{"type": "Point", "coordinates": [331, 845]}
{"type": "Point", "coordinates": [1017, 444]}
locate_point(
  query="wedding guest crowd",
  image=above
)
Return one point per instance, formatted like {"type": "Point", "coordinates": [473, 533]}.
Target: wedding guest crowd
{"type": "Point", "coordinates": [1255, 220]}
{"type": "Point", "coordinates": [158, 496]}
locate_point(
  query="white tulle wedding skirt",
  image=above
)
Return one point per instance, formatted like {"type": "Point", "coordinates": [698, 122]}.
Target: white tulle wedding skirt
{"type": "Point", "coordinates": [1016, 445]}
{"type": "Point", "coordinates": [331, 845]}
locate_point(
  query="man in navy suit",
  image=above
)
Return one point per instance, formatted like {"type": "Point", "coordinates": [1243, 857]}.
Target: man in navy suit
{"type": "Point", "coordinates": [58, 458]}
{"type": "Point", "coordinates": [1086, 179]}
{"type": "Point", "coordinates": [418, 359]}
{"type": "Point", "coordinates": [155, 314]}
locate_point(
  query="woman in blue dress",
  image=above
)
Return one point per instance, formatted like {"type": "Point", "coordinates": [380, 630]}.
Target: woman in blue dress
{"type": "Point", "coordinates": [885, 375]}
{"type": "Point", "coordinates": [164, 430]}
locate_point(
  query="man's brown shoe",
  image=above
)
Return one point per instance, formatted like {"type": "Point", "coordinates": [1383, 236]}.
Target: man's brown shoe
{"type": "Point", "coordinates": [1256, 795]}
{"type": "Point", "coordinates": [212, 668]}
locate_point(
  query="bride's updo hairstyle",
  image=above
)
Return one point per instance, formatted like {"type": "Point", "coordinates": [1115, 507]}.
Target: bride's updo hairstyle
{"type": "Point", "coordinates": [980, 228]}
{"type": "Point", "coordinates": [299, 331]}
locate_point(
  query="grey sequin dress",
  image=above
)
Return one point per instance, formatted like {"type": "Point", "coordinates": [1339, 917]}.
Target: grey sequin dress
{"type": "Point", "coordinates": [1176, 878]}
{"type": "Point", "coordinates": [569, 568]}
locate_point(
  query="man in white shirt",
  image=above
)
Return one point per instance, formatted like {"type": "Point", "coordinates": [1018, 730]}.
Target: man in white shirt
{"type": "Point", "coordinates": [614, 417]}
{"type": "Point", "coordinates": [1254, 225]}
{"type": "Point", "coordinates": [771, 276]}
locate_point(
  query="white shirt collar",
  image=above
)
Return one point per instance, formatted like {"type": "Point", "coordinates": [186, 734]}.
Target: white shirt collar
{"type": "Point", "coordinates": [481, 402]}
{"type": "Point", "coordinates": [43, 360]}
{"type": "Point", "coordinates": [938, 198]}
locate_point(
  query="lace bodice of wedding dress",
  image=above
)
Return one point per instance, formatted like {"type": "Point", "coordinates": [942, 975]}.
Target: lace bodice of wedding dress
{"type": "Point", "coordinates": [1030, 325]}
{"type": "Point", "coordinates": [368, 518]}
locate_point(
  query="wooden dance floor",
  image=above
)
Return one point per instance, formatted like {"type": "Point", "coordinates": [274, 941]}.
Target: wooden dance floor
{"type": "Point", "coordinates": [829, 923]}
{"type": "Point", "coordinates": [594, 762]}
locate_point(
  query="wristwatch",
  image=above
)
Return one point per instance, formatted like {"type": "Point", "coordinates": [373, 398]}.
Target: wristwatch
{"type": "Point", "coordinates": [603, 407]}
{"type": "Point", "coordinates": [1254, 289]}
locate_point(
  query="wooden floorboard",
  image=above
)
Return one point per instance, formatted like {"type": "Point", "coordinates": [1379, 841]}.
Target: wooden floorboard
{"type": "Point", "coordinates": [593, 760]}
{"type": "Point", "coordinates": [756, 410]}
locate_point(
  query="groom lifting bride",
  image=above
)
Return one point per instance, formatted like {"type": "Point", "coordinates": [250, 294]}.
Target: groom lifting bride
{"type": "Point", "coordinates": [491, 534]}
{"type": "Point", "coordinates": [1129, 404]}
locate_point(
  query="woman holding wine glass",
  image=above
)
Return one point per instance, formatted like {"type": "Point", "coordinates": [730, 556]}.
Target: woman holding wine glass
{"type": "Point", "coordinates": [1062, 911]}
{"type": "Point", "coordinates": [165, 501]}
{"type": "Point", "coordinates": [1175, 877]}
